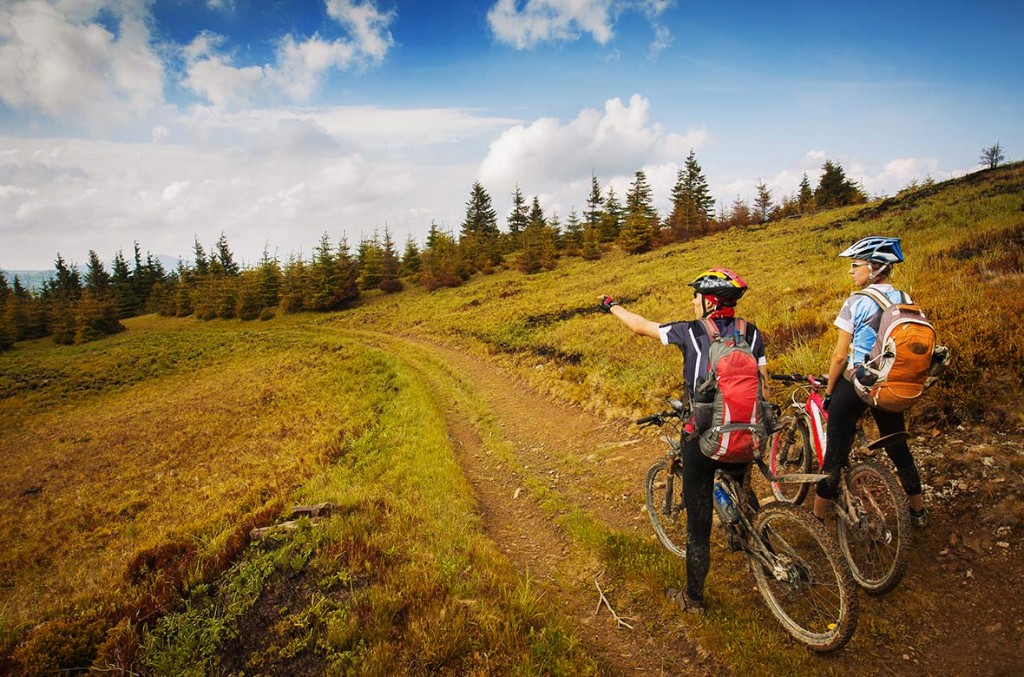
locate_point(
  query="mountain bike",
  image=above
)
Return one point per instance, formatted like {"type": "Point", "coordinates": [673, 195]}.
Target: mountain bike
{"type": "Point", "coordinates": [872, 512]}
{"type": "Point", "coordinates": [797, 567]}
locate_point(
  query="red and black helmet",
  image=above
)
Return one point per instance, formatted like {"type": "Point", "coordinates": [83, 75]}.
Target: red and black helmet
{"type": "Point", "coordinates": [720, 286]}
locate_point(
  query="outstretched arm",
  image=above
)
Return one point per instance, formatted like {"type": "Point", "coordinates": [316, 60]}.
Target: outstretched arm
{"type": "Point", "coordinates": [637, 323]}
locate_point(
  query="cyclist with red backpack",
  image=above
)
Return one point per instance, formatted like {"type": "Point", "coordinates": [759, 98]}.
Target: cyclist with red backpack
{"type": "Point", "coordinates": [852, 375]}
{"type": "Point", "coordinates": [716, 347]}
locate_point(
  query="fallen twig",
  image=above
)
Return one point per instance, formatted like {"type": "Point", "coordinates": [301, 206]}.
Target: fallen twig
{"type": "Point", "coordinates": [604, 600]}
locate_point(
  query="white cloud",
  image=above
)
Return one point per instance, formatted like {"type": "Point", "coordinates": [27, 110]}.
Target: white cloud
{"type": "Point", "coordinates": [366, 24]}
{"type": "Point", "coordinates": [617, 141]}
{"type": "Point", "coordinates": [281, 177]}
{"type": "Point", "coordinates": [550, 20]}
{"type": "Point", "coordinates": [539, 21]}
{"type": "Point", "coordinates": [59, 60]}
{"type": "Point", "coordinates": [301, 64]}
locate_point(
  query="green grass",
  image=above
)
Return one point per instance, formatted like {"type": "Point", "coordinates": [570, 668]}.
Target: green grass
{"type": "Point", "coordinates": [963, 240]}
{"type": "Point", "coordinates": [135, 466]}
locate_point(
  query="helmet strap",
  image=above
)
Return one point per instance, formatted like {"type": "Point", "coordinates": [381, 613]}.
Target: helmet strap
{"type": "Point", "coordinates": [882, 269]}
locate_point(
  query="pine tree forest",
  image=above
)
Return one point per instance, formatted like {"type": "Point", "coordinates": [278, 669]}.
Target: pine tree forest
{"type": "Point", "coordinates": [73, 306]}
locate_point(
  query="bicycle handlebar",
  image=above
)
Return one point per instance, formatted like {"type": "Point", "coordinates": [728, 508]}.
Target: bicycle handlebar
{"type": "Point", "coordinates": [801, 378]}
{"type": "Point", "coordinates": [659, 418]}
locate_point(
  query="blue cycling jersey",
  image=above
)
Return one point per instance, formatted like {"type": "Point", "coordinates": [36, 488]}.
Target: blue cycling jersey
{"type": "Point", "coordinates": [860, 317]}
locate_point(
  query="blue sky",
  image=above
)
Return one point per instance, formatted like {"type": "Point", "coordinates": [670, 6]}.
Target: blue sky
{"type": "Point", "coordinates": [277, 121]}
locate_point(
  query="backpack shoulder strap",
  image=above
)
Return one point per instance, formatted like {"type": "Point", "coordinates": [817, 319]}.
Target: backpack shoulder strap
{"type": "Point", "coordinates": [711, 328]}
{"type": "Point", "coordinates": [741, 327]}
{"type": "Point", "coordinates": [876, 296]}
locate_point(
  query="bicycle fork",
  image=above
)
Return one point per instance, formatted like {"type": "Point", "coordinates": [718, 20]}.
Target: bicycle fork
{"type": "Point", "coordinates": [854, 516]}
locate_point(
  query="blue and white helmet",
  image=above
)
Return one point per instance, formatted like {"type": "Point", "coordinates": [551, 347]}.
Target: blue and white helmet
{"type": "Point", "coordinates": [876, 249]}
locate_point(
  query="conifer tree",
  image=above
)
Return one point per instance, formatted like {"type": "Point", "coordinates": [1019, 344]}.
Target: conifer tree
{"type": "Point", "coordinates": [270, 280]}
{"type": "Point", "coordinates": [692, 203]}
{"type": "Point", "coordinates": [440, 261]}
{"type": "Point", "coordinates": [322, 277]}
{"type": "Point", "coordinates": [293, 285]}
{"type": "Point", "coordinates": [390, 266]}
{"type": "Point", "coordinates": [591, 247]}
{"type": "Point", "coordinates": [410, 257]}
{"type": "Point", "coordinates": [183, 292]}
{"type": "Point", "coordinates": [225, 258]}
{"type": "Point", "coordinates": [763, 202]}
{"type": "Point", "coordinates": [202, 263]}
{"type": "Point", "coordinates": [805, 198]}
{"type": "Point", "coordinates": [95, 317]}
{"type": "Point", "coordinates": [250, 301]}
{"type": "Point", "coordinates": [347, 289]}
{"type": "Point", "coordinates": [834, 189]}
{"type": "Point", "coordinates": [611, 218]}
{"type": "Point", "coordinates": [519, 216]}
{"type": "Point", "coordinates": [531, 252]}
{"type": "Point", "coordinates": [595, 205]}
{"type": "Point", "coordinates": [371, 258]}
{"type": "Point", "coordinates": [66, 285]}
{"type": "Point", "coordinates": [97, 279]}
{"type": "Point", "coordinates": [638, 232]}
{"type": "Point", "coordinates": [15, 313]}
{"type": "Point", "coordinates": [572, 241]}
{"type": "Point", "coordinates": [480, 230]}
{"type": "Point", "coordinates": [121, 287]}
{"type": "Point", "coordinates": [7, 334]}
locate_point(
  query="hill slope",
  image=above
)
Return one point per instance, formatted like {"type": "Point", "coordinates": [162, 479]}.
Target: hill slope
{"type": "Point", "coordinates": [477, 447]}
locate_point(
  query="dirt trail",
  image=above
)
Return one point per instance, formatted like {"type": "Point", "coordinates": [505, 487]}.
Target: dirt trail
{"type": "Point", "coordinates": [550, 441]}
{"type": "Point", "coordinates": [970, 618]}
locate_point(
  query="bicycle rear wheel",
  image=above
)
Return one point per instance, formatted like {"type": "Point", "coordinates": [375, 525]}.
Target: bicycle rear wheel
{"type": "Point", "coordinates": [877, 546]}
{"type": "Point", "coordinates": [808, 589]}
{"type": "Point", "coordinates": [790, 454]}
{"type": "Point", "coordinates": [665, 507]}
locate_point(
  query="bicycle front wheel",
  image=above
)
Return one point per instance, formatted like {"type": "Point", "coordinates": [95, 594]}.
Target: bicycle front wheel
{"type": "Point", "coordinates": [877, 544]}
{"type": "Point", "coordinates": [665, 507]}
{"type": "Point", "coordinates": [807, 587]}
{"type": "Point", "coordinates": [790, 454]}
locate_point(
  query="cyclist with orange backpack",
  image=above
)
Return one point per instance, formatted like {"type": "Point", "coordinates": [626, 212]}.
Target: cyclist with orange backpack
{"type": "Point", "coordinates": [715, 293]}
{"type": "Point", "coordinates": [858, 323]}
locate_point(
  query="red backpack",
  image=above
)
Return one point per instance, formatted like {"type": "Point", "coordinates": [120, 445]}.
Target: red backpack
{"type": "Point", "coordinates": [729, 405]}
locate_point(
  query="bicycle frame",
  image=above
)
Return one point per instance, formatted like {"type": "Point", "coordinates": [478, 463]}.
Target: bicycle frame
{"type": "Point", "coordinates": [813, 411]}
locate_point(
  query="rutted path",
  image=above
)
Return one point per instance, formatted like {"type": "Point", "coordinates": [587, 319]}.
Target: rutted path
{"type": "Point", "coordinates": [591, 466]}
{"type": "Point", "coordinates": [557, 450]}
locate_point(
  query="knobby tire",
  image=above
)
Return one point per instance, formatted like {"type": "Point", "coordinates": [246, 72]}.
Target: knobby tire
{"type": "Point", "coordinates": [878, 548]}
{"type": "Point", "coordinates": [790, 453]}
{"type": "Point", "coordinates": [815, 598]}
{"type": "Point", "coordinates": [670, 528]}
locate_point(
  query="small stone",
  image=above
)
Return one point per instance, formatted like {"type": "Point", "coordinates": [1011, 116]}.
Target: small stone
{"type": "Point", "coordinates": [1003, 544]}
{"type": "Point", "coordinates": [906, 657]}
{"type": "Point", "coordinates": [518, 491]}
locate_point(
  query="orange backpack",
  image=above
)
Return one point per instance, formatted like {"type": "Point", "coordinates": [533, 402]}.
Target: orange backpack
{"type": "Point", "coordinates": [896, 371]}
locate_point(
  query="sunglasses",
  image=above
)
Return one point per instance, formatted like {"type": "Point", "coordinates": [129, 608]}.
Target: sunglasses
{"type": "Point", "coordinates": [858, 264]}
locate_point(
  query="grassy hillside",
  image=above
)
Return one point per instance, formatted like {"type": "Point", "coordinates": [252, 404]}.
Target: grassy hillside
{"type": "Point", "coordinates": [134, 467]}
{"type": "Point", "coordinates": [963, 238]}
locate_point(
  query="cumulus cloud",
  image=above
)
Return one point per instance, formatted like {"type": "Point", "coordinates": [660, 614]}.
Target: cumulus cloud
{"type": "Point", "coordinates": [539, 21]}
{"type": "Point", "coordinates": [281, 176]}
{"type": "Point", "coordinates": [300, 64]}
{"type": "Point", "coordinates": [614, 142]}
{"type": "Point", "coordinates": [59, 60]}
